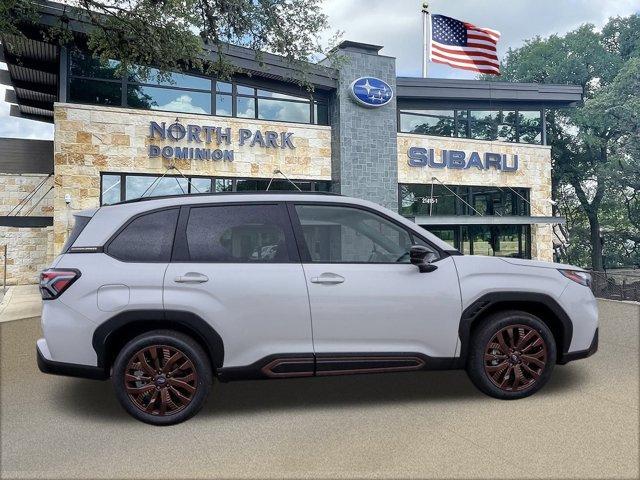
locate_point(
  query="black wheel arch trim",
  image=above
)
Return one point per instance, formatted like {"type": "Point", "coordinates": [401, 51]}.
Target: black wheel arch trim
{"type": "Point", "coordinates": [107, 334]}
{"type": "Point", "coordinates": [493, 301]}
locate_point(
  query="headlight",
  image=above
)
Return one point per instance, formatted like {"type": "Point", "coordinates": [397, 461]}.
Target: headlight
{"type": "Point", "coordinates": [583, 278]}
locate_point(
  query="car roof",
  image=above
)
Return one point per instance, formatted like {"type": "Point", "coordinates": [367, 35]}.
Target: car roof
{"type": "Point", "coordinates": [109, 218]}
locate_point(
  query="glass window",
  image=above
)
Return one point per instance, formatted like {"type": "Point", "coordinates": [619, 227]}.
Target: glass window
{"type": "Point", "coordinates": [322, 186]}
{"type": "Point", "coordinates": [83, 64]}
{"type": "Point", "coordinates": [267, 93]}
{"type": "Point", "coordinates": [224, 105]}
{"type": "Point", "coordinates": [283, 111]}
{"type": "Point", "coordinates": [78, 226]}
{"type": "Point", "coordinates": [321, 113]}
{"type": "Point", "coordinates": [483, 125]}
{"type": "Point", "coordinates": [428, 122]}
{"type": "Point", "coordinates": [152, 75]}
{"type": "Point", "coordinates": [224, 87]}
{"type": "Point", "coordinates": [242, 90]}
{"type": "Point", "coordinates": [245, 107]}
{"type": "Point", "coordinates": [529, 127]}
{"type": "Point", "coordinates": [224, 185]}
{"type": "Point", "coordinates": [157, 98]}
{"type": "Point", "coordinates": [95, 92]}
{"type": "Point", "coordinates": [506, 124]}
{"type": "Point", "coordinates": [351, 235]}
{"type": "Point", "coordinates": [201, 185]}
{"type": "Point", "coordinates": [148, 238]}
{"type": "Point", "coordinates": [148, 186]}
{"type": "Point", "coordinates": [417, 200]}
{"type": "Point", "coordinates": [110, 189]}
{"type": "Point", "coordinates": [238, 234]}
{"type": "Point", "coordinates": [462, 119]}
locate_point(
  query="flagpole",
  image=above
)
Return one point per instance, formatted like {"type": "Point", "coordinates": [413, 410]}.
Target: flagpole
{"type": "Point", "coordinates": [426, 37]}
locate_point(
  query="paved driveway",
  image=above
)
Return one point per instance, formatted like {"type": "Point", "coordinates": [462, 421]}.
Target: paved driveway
{"type": "Point", "coordinates": [584, 424]}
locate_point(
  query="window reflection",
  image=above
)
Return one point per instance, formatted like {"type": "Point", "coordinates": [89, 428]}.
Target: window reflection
{"type": "Point", "coordinates": [417, 199]}
{"type": "Point", "coordinates": [223, 105]}
{"type": "Point", "coordinates": [110, 189]}
{"type": "Point", "coordinates": [138, 186]}
{"type": "Point", "coordinates": [503, 125]}
{"type": "Point", "coordinates": [283, 111]}
{"type": "Point", "coordinates": [429, 122]}
{"type": "Point", "coordinates": [95, 92]}
{"type": "Point", "coordinates": [152, 75]}
{"type": "Point", "coordinates": [85, 65]}
{"type": "Point", "coordinates": [156, 98]}
{"type": "Point", "coordinates": [245, 107]}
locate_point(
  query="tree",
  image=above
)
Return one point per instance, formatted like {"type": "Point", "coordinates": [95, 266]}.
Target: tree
{"type": "Point", "coordinates": [594, 146]}
{"type": "Point", "coordinates": [172, 35]}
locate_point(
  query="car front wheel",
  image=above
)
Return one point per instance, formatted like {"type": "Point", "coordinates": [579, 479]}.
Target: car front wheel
{"type": "Point", "coordinates": [162, 377]}
{"type": "Point", "coordinates": [512, 355]}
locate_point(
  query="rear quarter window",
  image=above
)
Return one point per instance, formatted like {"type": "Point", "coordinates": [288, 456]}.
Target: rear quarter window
{"type": "Point", "coordinates": [146, 238]}
{"type": "Point", "coordinates": [78, 226]}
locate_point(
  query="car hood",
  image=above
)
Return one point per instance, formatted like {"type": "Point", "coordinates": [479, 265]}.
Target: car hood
{"type": "Point", "coordinates": [538, 263]}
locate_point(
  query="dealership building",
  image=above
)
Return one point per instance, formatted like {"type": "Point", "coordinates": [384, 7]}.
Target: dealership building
{"type": "Point", "coordinates": [467, 160]}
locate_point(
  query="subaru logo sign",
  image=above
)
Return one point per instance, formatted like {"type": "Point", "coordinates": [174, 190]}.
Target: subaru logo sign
{"type": "Point", "coordinates": [371, 92]}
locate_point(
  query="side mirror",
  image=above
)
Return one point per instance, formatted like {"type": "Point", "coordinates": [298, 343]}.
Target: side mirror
{"type": "Point", "coordinates": [418, 255]}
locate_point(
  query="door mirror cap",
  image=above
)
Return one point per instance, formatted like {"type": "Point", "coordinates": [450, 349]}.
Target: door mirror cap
{"type": "Point", "coordinates": [418, 255]}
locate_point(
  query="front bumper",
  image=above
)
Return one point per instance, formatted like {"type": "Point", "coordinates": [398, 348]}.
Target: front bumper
{"type": "Point", "coordinates": [47, 365]}
{"type": "Point", "coordinates": [579, 354]}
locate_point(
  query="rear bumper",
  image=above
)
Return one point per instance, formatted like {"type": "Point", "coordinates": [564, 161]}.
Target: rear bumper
{"type": "Point", "coordinates": [46, 365]}
{"type": "Point", "coordinates": [579, 354]}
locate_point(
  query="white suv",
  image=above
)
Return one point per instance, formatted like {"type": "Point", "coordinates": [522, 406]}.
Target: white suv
{"type": "Point", "coordinates": [163, 294]}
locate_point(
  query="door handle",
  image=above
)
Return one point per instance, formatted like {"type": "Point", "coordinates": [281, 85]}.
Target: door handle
{"type": "Point", "coordinates": [328, 279]}
{"type": "Point", "coordinates": [191, 277]}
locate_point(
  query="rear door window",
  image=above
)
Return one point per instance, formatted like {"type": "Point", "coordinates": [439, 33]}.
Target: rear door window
{"type": "Point", "coordinates": [147, 238]}
{"type": "Point", "coordinates": [239, 234]}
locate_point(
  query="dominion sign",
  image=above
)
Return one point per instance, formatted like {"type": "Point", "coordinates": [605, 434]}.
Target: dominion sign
{"type": "Point", "coordinates": [199, 136]}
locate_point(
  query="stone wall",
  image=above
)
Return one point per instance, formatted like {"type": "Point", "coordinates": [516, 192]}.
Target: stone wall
{"type": "Point", "coordinates": [534, 173]}
{"type": "Point", "coordinates": [15, 188]}
{"type": "Point", "coordinates": [92, 139]}
{"type": "Point", "coordinates": [29, 250]}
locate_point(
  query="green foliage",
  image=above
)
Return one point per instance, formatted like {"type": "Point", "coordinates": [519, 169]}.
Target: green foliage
{"type": "Point", "coordinates": [596, 146]}
{"type": "Point", "coordinates": [172, 35]}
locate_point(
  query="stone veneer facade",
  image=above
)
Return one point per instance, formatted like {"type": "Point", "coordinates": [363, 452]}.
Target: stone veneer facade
{"type": "Point", "coordinates": [534, 173]}
{"type": "Point", "coordinates": [92, 139]}
{"type": "Point", "coordinates": [29, 250]}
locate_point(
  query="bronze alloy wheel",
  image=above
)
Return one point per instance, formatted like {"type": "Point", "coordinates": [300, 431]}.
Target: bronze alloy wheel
{"type": "Point", "coordinates": [160, 380]}
{"type": "Point", "coordinates": [515, 358]}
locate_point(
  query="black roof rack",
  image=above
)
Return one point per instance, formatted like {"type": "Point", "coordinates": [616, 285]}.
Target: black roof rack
{"type": "Point", "coordinates": [214, 194]}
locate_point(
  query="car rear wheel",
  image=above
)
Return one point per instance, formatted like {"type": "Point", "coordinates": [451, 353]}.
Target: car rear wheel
{"type": "Point", "coordinates": [512, 355]}
{"type": "Point", "coordinates": [162, 377]}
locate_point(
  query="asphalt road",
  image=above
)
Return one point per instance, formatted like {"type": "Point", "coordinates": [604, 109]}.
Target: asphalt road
{"type": "Point", "coordinates": [584, 424]}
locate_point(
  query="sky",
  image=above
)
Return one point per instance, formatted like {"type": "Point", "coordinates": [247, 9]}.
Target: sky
{"type": "Point", "coordinates": [397, 25]}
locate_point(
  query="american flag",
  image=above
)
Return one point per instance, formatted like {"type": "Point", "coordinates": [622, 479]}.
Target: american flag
{"type": "Point", "coordinates": [463, 45]}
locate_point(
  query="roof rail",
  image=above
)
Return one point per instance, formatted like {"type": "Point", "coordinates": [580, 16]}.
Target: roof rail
{"type": "Point", "coordinates": [259, 192]}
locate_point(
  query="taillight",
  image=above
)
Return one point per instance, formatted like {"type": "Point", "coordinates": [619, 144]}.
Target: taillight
{"type": "Point", "coordinates": [583, 278]}
{"type": "Point", "coordinates": [54, 281]}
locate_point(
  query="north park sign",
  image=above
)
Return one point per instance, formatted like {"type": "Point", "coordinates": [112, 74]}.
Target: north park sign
{"type": "Point", "coordinates": [199, 136]}
{"type": "Point", "coordinates": [460, 160]}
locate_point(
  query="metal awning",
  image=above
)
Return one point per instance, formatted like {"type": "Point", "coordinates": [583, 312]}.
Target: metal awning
{"type": "Point", "coordinates": [486, 220]}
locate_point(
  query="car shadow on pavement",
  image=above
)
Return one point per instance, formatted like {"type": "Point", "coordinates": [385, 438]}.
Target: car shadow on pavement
{"type": "Point", "coordinates": [97, 400]}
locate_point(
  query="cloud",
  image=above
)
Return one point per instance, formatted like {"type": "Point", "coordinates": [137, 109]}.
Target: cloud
{"type": "Point", "coordinates": [397, 25]}
{"type": "Point", "coordinates": [183, 103]}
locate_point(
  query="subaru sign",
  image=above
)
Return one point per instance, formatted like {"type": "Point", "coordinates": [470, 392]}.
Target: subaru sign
{"type": "Point", "coordinates": [371, 92]}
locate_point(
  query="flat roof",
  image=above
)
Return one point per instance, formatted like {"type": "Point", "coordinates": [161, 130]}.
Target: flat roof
{"type": "Point", "coordinates": [451, 90]}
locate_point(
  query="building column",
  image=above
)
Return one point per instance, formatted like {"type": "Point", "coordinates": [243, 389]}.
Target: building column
{"type": "Point", "coordinates": [364, 140]}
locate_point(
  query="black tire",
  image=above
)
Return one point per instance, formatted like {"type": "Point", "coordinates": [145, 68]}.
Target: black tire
{"type": "Point", "coordinates": [162, 393]}
{"type": "Point", "coordinates": [518, 373]}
